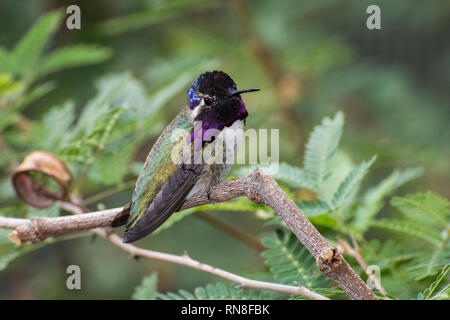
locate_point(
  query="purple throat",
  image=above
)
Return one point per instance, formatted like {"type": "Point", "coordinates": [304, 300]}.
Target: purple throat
{"type": "Point", "coordinates": [213, 122]}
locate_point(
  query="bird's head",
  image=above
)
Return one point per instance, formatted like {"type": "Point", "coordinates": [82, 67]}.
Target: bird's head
{"type": "Point", "coordinates": [215, 100]}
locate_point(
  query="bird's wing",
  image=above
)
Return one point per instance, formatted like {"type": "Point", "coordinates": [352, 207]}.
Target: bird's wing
{"type": "Point", "coordinates": [162, 184]}
{"type": "Point", "coordinates": [167, 201]}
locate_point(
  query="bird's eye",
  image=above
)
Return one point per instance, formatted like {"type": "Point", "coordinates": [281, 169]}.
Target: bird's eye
{"type": "Point", "coordinates": [208, 101]}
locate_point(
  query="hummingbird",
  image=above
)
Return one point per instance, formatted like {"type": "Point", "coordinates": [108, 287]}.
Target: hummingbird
{"type": "Point", "coordinates": [163, 185]}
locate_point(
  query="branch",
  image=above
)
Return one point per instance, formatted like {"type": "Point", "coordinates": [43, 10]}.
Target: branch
{"type": "Point", "coordinates": [185, 260]}
{"type": "Point", "coordinates": [258, 187]}
{"type": "Point", "coordinates": [37, 229]}
{"type": "Point", "coordinates": [86, 220]}
{"type": "Point", "coordinates": [355, 252]}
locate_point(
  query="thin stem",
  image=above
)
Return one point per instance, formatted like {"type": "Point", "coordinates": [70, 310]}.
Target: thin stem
{"type": "Point", "coordinates": [187, 261]}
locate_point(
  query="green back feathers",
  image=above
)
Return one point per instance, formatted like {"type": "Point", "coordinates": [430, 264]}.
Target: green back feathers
{"type": "Point", "coordinates": [157, 168]}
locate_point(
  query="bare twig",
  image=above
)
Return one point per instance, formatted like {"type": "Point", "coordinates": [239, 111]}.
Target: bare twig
{"type": "Point", "coordinates": [37, 229]}
{"type": "Point", "coordinates": [185, 260]}
{"type": "Point", "coordinates": [258, 187]}
{"type": "Point", "coordinates": [356, 253]}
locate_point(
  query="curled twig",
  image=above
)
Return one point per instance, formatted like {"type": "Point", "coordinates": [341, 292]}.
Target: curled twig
{"type": "Point", "coordinates": [34, 192]}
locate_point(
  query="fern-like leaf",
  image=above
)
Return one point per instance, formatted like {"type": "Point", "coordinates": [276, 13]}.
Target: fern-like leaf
{"type": "Point", "coordinates": [350, 186]}
{"type": "Point", "coordinates": [427, 208]}
{"type": "Point", "coordinates": [290, 262]}
{"type": "Point", "coordinates": [372, 201]}
{"type": "Point", "coordinates": [321, 150]}
{"type": "Point", "coordinates": [72, 56]}
{"type": "Point", "coordinates": [428, 264]}
{"type": "Point", "coordinates": [219, 291]}
{"type": "Point", "coordinates": [411, 228]}
{"type": "Point", "coordinates": [443, 294]}
{"type": "Point", "coordinates": [147, 290]}
{"type": "Point", "coordinates": [387, 254]}
{"type": "Point", "coordinates": [292, 176]}
{"type": "Point", "coordinates": [327, 221]}
{"type": "Point", "coordinates": [287, 174]}
{"type": "Point", "coordinates": [27, 51]}
{"type": "Point", "coordinates": [314, 208]}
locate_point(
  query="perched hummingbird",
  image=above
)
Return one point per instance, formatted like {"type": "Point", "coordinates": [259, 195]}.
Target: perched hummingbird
{"type": "Point", "coordinates": [163, 184]}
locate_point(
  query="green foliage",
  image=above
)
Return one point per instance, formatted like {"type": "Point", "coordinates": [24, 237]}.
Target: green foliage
{"type": "Point", "coordinates": [433, 292]}
{"type": "Point", "coordinates": [147, 290]}
{"type": "Point", "coordinates": [8, 250]}
{"type": "Point", "coordinates": [425, 216]}
{"type": "Point", "coordinates": [321, 150]}
{"type": "Point", "coordinates": [350, 186]}
{"type": "Point", "coordinates": [314, 208]}
{"type": "Point", "coordinates": [219, 291]}
{"type": "Point", "coordinates": [394, 100]}
{"type": "Point", "coordinates": [327, 172]}
{"type": "Point", "coordinates": [27, 51]}
{"type": "Point", "coordinates": [320, 163]}
{"type": "Point", "coordinates": [373, 200]}
{"type": "Point", "coordinates": [292, 176]}
{"type": "Point", "coordinates": [26, 62]}
{"type": "Point", "coordinates": [24, 65]}
{"type": "Point", "coordinates": [291, 263]}
{"type": "Point", "coordinates": [73, 56]}
{"type": "Point", "coordinates": [133, 21]}
{"type": "Point", "coordinates": [108, 129]}
{"type": "Point", "coordinates": [428, 208]}
{"type": "Point", "coordinates": [427, 263]}
{"type": "Point", "coordinates": [409, 227]}
{"type": "Point", "coordinates": [337, 207]}
{"type": "Point", "coordinates": [99, 141]}
{"type": "Point", "coordinates": [26, 58]}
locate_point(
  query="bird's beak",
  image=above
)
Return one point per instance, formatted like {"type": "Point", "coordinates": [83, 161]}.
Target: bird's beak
{"type": "Point", "coordinates": [238, 92]}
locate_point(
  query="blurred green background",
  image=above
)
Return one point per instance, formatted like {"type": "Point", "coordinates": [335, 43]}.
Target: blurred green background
{"type": "Point", "coordinates": [310, 58]}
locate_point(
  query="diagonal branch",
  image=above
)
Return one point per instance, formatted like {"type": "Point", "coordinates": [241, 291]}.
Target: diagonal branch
{"type": "Point", "coordinates": [346, 248]}
{"type": "Point", "coordinates": [258, 187]}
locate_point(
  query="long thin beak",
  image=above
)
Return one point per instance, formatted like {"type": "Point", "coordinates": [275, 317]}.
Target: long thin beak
{"type": "Point", "coordinates": [237, 92]}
